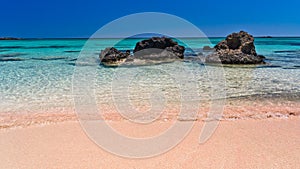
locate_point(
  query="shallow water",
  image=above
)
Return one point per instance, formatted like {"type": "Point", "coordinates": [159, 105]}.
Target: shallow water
{"type": "Point", "coordinates": [37, 74]}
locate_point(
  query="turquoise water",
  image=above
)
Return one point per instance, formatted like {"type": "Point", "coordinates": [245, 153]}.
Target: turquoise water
{"type": "Point", "coordinates": [37, 74]}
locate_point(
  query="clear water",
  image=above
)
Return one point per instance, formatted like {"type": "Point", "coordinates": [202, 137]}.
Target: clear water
{"type": "Point", "coordinates": [37, 74]}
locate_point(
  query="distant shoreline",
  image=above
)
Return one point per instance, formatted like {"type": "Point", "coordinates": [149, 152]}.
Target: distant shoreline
{"type": "Point", "coordinates": [9, 38]}
{"type": "Point", "coordinates": [13, 38]}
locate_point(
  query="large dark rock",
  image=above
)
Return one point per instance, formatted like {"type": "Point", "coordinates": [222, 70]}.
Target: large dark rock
{"type": "Point", "coordinates": [113, 57]}
{"type": "Point", "coordinates": [237, 48]}
{"type": "Point", "coordinates": [158, 48]}
{"type": "Point", "coordinates": [151, 51]}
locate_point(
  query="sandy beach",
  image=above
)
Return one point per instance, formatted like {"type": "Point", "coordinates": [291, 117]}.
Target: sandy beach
{"type": "Point", "coordinates": [251, 134]}
{"type": "Point", "coordinates": [268, 143]}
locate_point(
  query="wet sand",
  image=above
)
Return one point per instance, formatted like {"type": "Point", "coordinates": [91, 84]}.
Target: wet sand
{"type": "Point", "coordinates": [234, 109]}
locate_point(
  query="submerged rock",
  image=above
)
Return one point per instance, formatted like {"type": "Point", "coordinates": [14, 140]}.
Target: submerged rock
{"type": "Point", "coordinates": [113, 57]}
{"type": "Point", "coordinates": [237, 48]}
{"type": "Point", "coordinates": [158, 48]}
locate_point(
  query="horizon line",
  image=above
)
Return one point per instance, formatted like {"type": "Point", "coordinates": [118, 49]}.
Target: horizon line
{"type": "Point", "coordinates": [30, 38]}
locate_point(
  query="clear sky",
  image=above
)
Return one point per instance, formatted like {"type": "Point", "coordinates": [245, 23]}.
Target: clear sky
{"type": "Point", "coordinates": [81, 18]}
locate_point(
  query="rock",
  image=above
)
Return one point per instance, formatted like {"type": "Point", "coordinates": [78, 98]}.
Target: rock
{"type": "Point", "coordinates": [234, 57]}
{"type": "Point", "coordinates": [237, 48]}
{"type": "Point", "coordinates": [221, 45]}
{"type": "Point", "coordinates": [113, 57]}
{"type": "Point", "coordinates": [158, 48]}
{"type": "Point", "coordinates": [233, 41]}
{"type": "Point", "coordinates": [155, 50]}
{"type": "Point", "coordinates": [208, 48]}
{"type": "Point", "coordinates": [248, 48]}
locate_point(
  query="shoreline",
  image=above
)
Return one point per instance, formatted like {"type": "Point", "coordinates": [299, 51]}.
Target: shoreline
{"type": "Point", "coordinates": [234, 110]}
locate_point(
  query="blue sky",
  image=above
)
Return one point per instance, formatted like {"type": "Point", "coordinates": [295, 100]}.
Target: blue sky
{"type": "Point", "coordinates": [78, 18]}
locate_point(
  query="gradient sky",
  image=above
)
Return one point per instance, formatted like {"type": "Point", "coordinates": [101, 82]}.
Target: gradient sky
{"type": "Point", "coordinates": [78, 18]}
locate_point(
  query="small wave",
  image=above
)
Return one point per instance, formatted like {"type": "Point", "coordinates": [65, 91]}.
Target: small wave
{"type": "Point", "coordinates": [269, 66]}
{"type": "Point", "coordinates": [3, 50]}
{"type": "Point", "coordinates": [26, 67]}
{"type": "Point", "coordinates": [72, 59]}
{"type": "Point", "coordinates": [294, 44]}
{"type": "Point", "coordinates": [287, 51]}
{"type": "Point", "coordinates": [51, 58]}
{"type": "Point", "coordinates": [10, 47]}
{"type": "Point", "coordinates": [80, 64]}
{"type": "Point", "coordinates": [258, 116]}
{"type": "Point", "coordinates": [6, 59]}
{"type": "Point", "coordinates": [72, 51]}
{"type": "Point", "coordinates": [12, 54]}
{"type": "Point", "coordinates": [289, 68]}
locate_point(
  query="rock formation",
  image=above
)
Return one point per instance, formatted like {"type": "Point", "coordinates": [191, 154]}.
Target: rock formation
{"type": "Point", "coordinates": [237, 48]}
{"type": "Point", "coordinates": [153, 50]}
{"type": "Point", "coordinates": [158, 48]}
{"type": "Point", "coordinates": [113, 57]}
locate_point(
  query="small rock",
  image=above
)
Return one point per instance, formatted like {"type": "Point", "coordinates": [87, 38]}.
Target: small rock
{"type": "Point", "coordinates": [208, 48]}
{"type": "Point", "coordinates": [113, 57]}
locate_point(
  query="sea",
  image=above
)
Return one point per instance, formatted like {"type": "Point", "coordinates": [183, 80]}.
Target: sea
{"type": "Point", "coordinates": [38, 75]}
